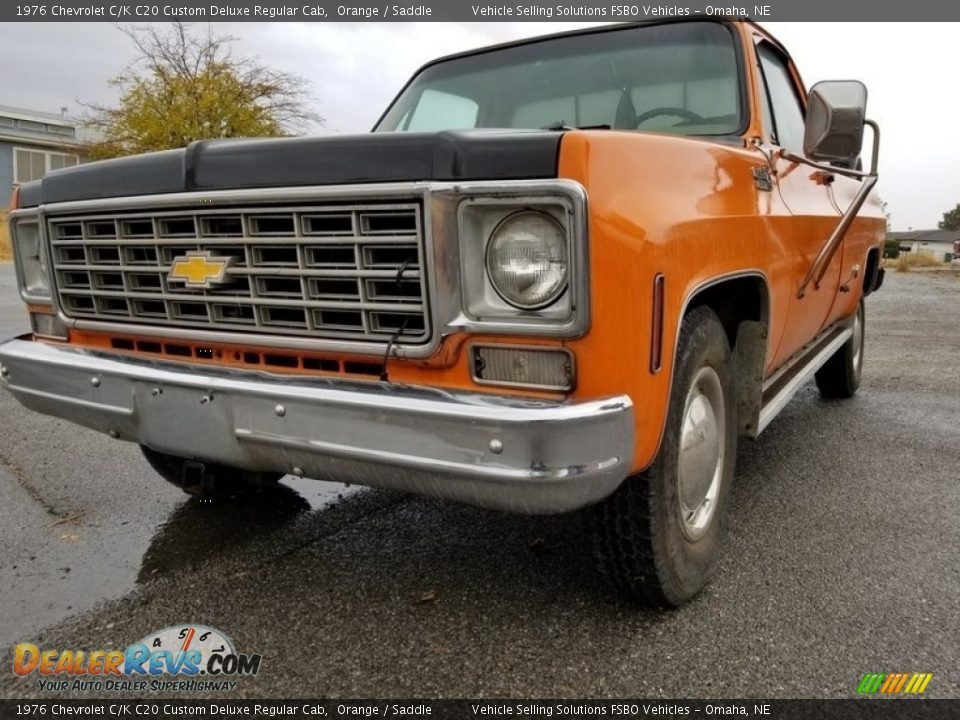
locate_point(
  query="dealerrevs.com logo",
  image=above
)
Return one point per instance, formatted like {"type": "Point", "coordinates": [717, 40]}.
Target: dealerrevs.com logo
{"type": "Point", "coordinates": [185, 657]}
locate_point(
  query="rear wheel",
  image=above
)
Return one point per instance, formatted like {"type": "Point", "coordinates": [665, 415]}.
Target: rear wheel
{"type": "Point", "coordinates": [840, 375]}
{"type": "Point", "coordinates": [657, 538]}
{"type": "Point", "coordinates": [208, 479]}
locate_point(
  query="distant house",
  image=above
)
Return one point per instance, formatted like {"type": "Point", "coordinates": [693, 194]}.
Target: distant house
{"type": "Point", "coordinates": [32, 144]}
{"type": "Point", "coordinates": [942, 243]}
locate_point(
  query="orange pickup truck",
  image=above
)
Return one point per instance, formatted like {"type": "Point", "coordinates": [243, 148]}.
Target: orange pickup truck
{"type": "Point", "coordinates": [567, 273]}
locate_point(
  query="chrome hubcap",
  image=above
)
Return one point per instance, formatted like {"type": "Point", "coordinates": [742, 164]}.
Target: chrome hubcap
{"type": "Point", "coordinates": [858, 339]}
{"type": "Point", "coordinates": [702, 451]}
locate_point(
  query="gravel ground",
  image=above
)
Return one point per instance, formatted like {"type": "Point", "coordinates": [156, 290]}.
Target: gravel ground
{"type": "Point", "coordinates": [840, 557]}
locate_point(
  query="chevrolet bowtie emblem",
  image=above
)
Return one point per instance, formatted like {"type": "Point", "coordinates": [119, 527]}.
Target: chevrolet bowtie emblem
{"type": "Point", "coordinates": [199, 269]}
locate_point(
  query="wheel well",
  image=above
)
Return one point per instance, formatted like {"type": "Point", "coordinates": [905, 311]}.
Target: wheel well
{"type": "Point", "coordinates": [743, 306]}
{"type": "Point", "coordinates": [735, 300]}
{"type": "Point", "coordinates": [870, 272]}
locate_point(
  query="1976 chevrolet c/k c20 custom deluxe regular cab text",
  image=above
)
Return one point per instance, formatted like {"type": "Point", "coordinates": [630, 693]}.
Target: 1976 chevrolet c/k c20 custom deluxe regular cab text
{"type": "Point", "coordinates": [565, 273]}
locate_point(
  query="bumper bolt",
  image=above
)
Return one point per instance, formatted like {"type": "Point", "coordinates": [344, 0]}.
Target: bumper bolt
{"type": "Point", "coordinates": [95, 381]}
{"type": "Point", "coordinates": [296, 471]}
{"type": "Point", "coordinates": [206, 400]}
{"type": "Point", "coordinates": [280, 410]}
{"type": "Point", "coordinates": [496, 446]}
{"type": "Point", "coordinates": [114, 434]}
{"type": "Point", "coordinates": [156, 391]}
{"type": "Point", "coordinates": [4, 371]}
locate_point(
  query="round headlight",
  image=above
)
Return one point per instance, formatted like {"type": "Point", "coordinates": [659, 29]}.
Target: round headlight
{"type": "Point", "coordinates": [527, 259]}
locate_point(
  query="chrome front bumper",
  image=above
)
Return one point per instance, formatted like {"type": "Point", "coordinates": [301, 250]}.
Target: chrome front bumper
{"type": "Point", "coordinates": [502, 452]}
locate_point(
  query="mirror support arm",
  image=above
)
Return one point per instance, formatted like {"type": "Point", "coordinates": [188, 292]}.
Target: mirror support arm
{"type": "Point", "coordinates": [819, 268]}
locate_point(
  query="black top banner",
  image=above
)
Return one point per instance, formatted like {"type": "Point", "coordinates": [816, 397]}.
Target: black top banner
{"type": "Point", "coordinates": [469, 10]}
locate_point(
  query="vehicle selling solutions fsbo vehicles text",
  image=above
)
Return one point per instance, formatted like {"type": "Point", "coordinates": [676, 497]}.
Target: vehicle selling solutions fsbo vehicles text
{"type": "Point", "coordinates": [612, 11]}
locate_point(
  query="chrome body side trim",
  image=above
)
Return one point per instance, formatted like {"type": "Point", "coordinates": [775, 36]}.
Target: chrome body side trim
{"type": "Point", "coordinates": [766, 313]}
{"type": "Point", "coordinates": [780, 387]}
{"type": "Point", "coordinates": [516, 454]}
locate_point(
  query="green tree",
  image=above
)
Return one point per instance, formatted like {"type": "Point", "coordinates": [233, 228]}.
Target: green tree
{"type": "Point", "coordinates": [185, 85]}
{"type": "Point", "coordinates": [951, 219]}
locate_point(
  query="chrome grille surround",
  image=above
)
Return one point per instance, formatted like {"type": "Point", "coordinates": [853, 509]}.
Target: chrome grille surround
{"type": "Point", "coordinates": [441, 252]}
{"type": "Point", "coordinates": [350, 271]}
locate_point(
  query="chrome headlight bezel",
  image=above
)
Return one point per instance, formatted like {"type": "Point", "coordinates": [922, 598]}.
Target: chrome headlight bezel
{"type": "Point", "coordinates": [481, 209]}
{"type": "Point", "coordinates": [30, 258]}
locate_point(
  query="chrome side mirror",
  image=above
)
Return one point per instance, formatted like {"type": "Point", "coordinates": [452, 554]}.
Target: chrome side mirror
{"type": "Point", "coordinates": [836, 114]}
{"type": "Point", "coordinates": [832, 139]}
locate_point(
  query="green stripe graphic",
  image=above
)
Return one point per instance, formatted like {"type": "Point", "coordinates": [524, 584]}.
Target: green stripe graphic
{"type": "Point", "coordinates": [871, 683]}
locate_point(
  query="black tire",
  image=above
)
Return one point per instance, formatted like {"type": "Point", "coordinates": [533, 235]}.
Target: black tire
{"type": "Point", "coordinates": [839, 378]}
{"type": "Point", "coordinates": [642, 543]}
{"type": "Point", "coordinates": [208, 479]}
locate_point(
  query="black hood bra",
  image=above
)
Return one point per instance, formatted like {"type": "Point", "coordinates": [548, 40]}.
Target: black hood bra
{"type": "Point", "coordinates": [331, 160]}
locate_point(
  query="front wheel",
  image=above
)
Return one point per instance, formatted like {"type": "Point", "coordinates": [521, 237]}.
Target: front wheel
{"type": "Point", "coordinates": [840, 376]}
{"type": "Point", "coordinates": [207, 479]}
{"type": "Point", "coordinates": [657, 538]}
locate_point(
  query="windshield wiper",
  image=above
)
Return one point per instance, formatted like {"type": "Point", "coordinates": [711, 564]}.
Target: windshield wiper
{"type": "Point", "coordinates": [560, 125]}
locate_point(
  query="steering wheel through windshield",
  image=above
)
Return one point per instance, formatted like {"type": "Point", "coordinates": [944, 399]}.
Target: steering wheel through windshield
{"type": "Point", "coordinates": [684, 114]}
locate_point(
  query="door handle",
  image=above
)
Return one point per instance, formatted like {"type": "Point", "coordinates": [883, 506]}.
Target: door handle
{"type": "Point", "coordinates": [854, 274]}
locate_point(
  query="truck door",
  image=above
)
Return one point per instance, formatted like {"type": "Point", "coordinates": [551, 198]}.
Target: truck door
{"type": "Point", "coordinates": [861, 236]}
{"type": "Point", "coordinates": [805, 192]}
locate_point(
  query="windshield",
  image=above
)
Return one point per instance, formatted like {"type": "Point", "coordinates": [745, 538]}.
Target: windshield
{"type": "Point", "coordinates": [677, 78]}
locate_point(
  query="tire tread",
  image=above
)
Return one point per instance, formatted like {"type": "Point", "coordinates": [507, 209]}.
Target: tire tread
{"type": "Point", "coordinates": [838, 379]}
{"type": "Point", "coordinates": [625, 528]}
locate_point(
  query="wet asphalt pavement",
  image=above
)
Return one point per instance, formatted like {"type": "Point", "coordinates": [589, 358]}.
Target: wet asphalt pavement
{"type": "Point", "coordinates": [842, 556]}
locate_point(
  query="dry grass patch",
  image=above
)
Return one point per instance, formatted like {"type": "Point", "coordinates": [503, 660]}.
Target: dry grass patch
{"type": "Point", "coordinates": [922, 259]}
{"type": "Point", "coordinates": [5, 252]}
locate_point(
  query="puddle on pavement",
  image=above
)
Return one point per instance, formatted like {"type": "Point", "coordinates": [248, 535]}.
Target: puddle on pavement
{"type": "Point", "coordinates": [65, 570]}
{"type": "Point", "coordinates": [198, 529]}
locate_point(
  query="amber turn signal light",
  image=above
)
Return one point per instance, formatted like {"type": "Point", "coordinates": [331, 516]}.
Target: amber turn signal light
{"type": "Point", "coordinates": [536, 368]}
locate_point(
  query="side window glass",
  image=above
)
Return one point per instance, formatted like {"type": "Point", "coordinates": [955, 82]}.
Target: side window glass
{"type": "Point", "coordinates": [787, 127]}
